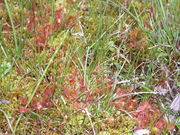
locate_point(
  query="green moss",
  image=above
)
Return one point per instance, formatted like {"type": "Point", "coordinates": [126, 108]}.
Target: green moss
{"type": "Point", "coordinates": [118, 124]}
{"type": "Point", "coordinates": [13, 87]}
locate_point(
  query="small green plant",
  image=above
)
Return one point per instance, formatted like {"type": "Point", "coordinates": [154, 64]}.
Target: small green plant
{"type": "Point", "coordinates": [5, 67]}
{"type": "Point", "coordinates": [178, 123]}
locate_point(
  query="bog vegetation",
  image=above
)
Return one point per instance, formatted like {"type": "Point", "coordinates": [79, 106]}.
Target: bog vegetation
{"type": "Point", "coordinates": [89, 67]}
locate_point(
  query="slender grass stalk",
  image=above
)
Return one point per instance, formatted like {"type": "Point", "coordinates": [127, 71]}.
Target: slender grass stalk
{"type": "Point", "coordinates": [88, 114]}
{"type": "Point", "coordinates": [52, 13]}
{"type": "Point", "coordinates": [89, 48]}
{"type": "Point", "coordinates": [162, 9]}
{"type": "Point", "coordinates": [13, 27]}
{"type": "Point", "coordinates": [132, 94]}
{"type": "Point", "coordinates": [9, 123]}
{"type": "Point", "coordinates": [2, 48]}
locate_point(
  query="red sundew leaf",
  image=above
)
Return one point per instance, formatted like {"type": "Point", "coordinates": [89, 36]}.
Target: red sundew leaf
{"type": "Point", "coordinates": [110, 83]}
{"type": "Point", "coordinates": [121, 102]}
{"type": "Point", "coordinates": [107, 87]}
{"type": "Point", "coordinates": [143, 115]}
{"type": "Point", "coordinates": [121, 92]}
{"type": "Point", "coordinates": [126, 103]}
{"type": "Point", "coordinates": [143, 120]}
{"type": "Point", "coordinates": [156, 114]}
{"type": "Point", "coordinates": [31, 23]}
{"type": "Point", "coordinates": [89, 97]}
{"type": "Point", "coordinates": [133, 45]}
{"type": "Point", "coordinates": [23, 101]}
{"type": "Point", "coordinates": [23, 110]}
{"type": "Point", "coordinates": [130, 108]}
{"type": "Point", "coordinates": [98, 90]}
{"type": "Point", "coordinates": [146, 25]}
{"type": "Point", "coordinates": [48, 11]}
{"type": "Point", "coordinates": [58, 17]}
{"type": "Point", "coordinates": [78, 106]}
{"type": "Point", "coordinates": [134, 102]}
{"type": "Point", "coordinates": [142, 124]}
{"type": "Point", "coordinates": [19, 71]}
{"type": "Point", "coordinates": [49, 92]}
{"type": "Point", "coordinates": [40, 43]}
{"type": "Point", "coordinates": [82, 81]}
{"type": "Point", "coordinates": [38, 105]}
{"type": "Point", "coordinates": [58, 14]}
{"type": "Point", "coordinates": [72, 80]}
{"type": "Point", "coordinates": [71, 95]}
{"type": "Point", "coordinates": [75, 106]}
{"type": "Point", "coordinates": [94, 73]}
{"type": "Point", "coordinates": [131, 105]}
{"type": "Point", "coordinates": [151, 12]}
{"type": "Point", "coordinates": [82, 88]}
{"type": "Point", "coordinates": [56, 84]}
{"type": "Point", "coordinates": [40, 47]}
{"type": "Point", "coordinates": [143, 106]}
{"type": "Point", "coordinates": [47, 30]}
{"type": "Point", "coordinates": [49, 104]}
{"type": "Point", "coordinates": [40, 39]}
{"type": "Point", "coordinates": [6, 27]}
{"type": "Point", "coordinates": [70, 21]}
{"type": "Point", "coordinates": [161, 124]}
{"type": "Point", "coordinates": [119, 105]}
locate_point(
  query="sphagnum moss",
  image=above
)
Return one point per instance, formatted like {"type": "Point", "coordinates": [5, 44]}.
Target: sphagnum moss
{"type": "Point", "coordinates": [116, 125]}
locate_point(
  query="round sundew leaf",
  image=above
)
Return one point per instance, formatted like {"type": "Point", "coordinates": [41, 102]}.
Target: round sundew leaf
{"type": "Point", "coordinates": [23, 110]}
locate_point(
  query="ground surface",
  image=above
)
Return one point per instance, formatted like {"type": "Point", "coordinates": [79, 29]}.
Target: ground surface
{"type": "Point", "coordinates": [82, 67]}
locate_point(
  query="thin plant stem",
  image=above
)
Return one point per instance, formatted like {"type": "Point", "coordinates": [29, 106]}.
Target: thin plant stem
{"type": "Point", "coordinates": [13, 28]}
{"type": "Point", "coordinates": [132, 94]}
{"type": "Point", "coordinates": [88, 114]}
{"type": "Point", "coordinates": [8, 121]}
